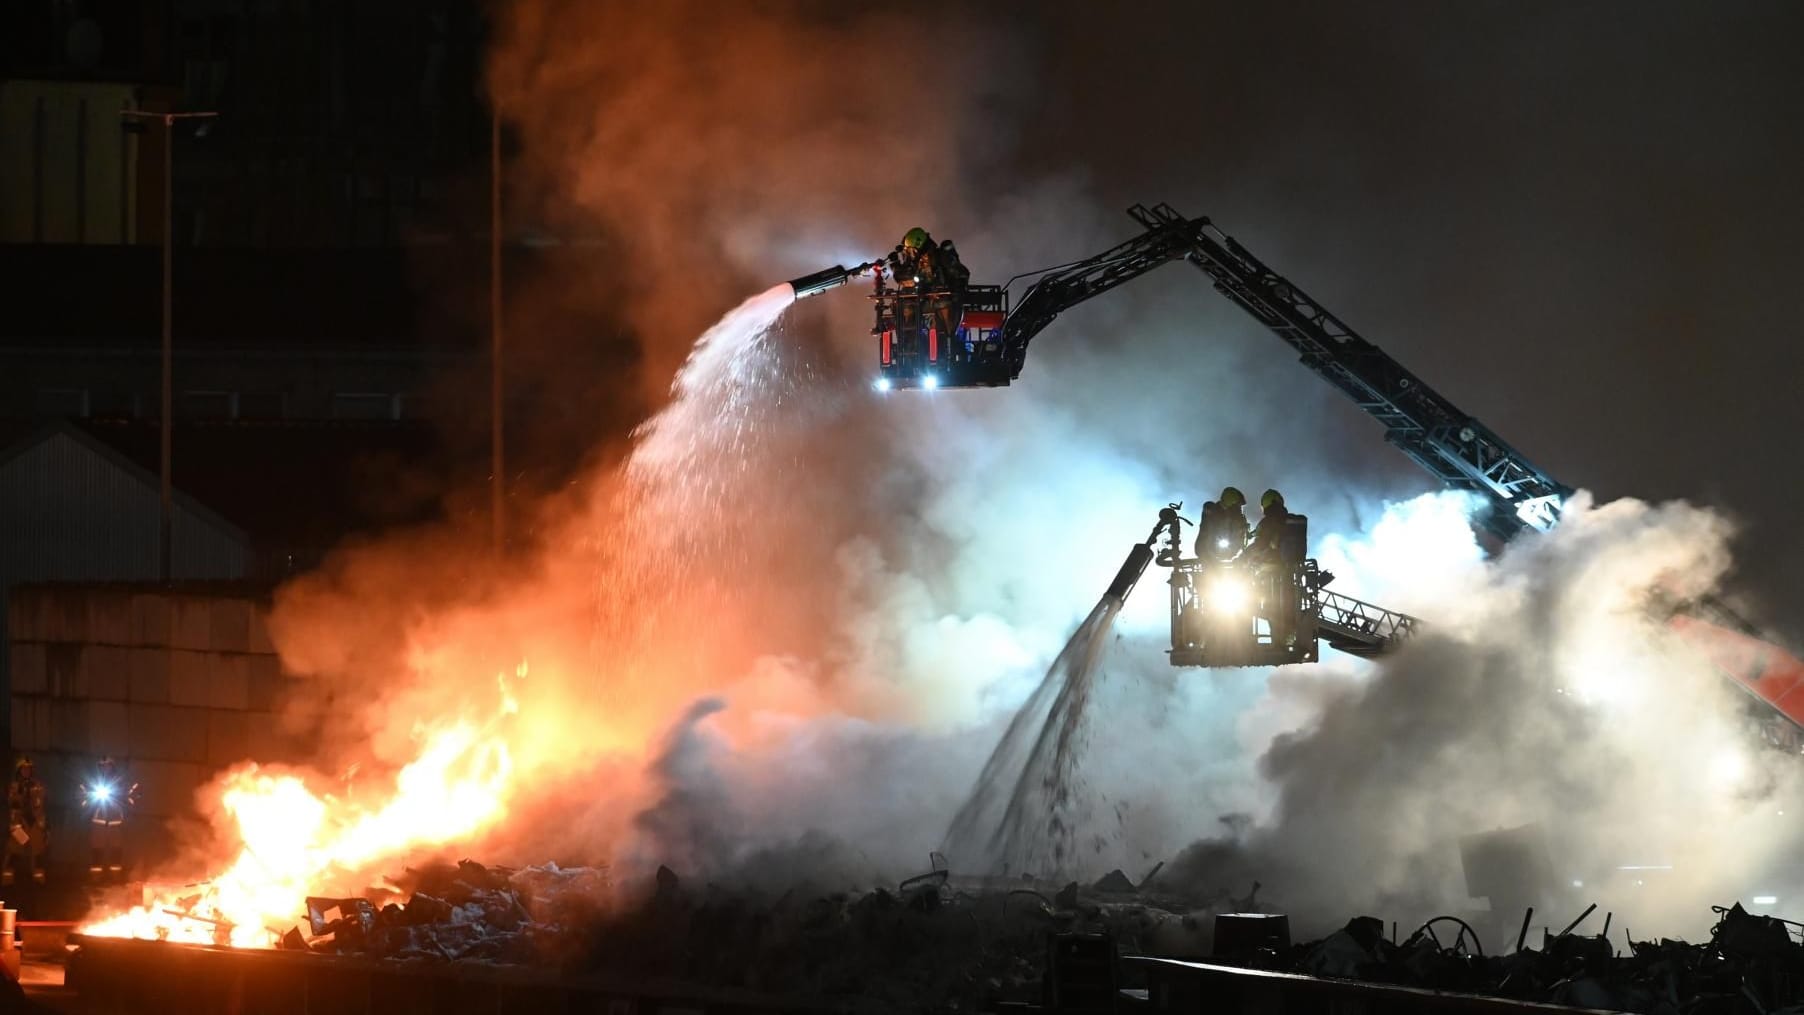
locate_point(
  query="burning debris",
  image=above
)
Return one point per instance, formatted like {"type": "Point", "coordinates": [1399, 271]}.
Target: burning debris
{"type": "Point", "coordinates": [943, 942]}
{"type": "Point", "coordinates": [469, 911]}
{"type": "Point", "coordinates": [293, 839]}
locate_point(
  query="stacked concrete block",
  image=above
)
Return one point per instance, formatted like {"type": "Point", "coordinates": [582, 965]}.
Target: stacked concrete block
{"type": "Point", "coordinates": [177, 685]}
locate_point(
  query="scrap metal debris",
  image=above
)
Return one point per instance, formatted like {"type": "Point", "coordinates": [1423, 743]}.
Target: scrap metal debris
{"type": "Point", "coordinates": [970, 942]}
{"type": "Point", "coordinates": [469, 911]}
{"type": "Point", "coordinates": [1752, 964]}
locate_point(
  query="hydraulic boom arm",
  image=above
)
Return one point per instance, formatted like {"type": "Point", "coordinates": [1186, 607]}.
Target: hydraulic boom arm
{"type": "Point", "coordinates": [1063, 288]}
{"type": "Point", "coordinates": [1456, 448]}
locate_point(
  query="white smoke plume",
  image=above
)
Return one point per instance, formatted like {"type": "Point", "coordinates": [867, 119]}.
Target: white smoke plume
{"type": "Point", "coordinates": [885, 580]}
{"type": "Point", "coordinates": [1545, 692]}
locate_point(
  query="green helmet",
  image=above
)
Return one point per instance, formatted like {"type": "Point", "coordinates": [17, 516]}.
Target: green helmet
{"type": "Point", "coordinates": [1231, 497]}
{"type": "Point", "coordinates": [1270, 497]}
{"type": "Point", "coordinates": [915, 238]}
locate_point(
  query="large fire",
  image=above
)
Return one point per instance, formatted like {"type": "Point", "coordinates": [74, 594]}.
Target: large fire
{"type": "Point", "coordinates": [290, 839]}
{"type": "Point", "coordinates": [295, 842]}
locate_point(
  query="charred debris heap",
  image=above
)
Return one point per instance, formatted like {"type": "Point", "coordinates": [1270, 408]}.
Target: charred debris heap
{"type": "Point", "coordinates": [965, 944]}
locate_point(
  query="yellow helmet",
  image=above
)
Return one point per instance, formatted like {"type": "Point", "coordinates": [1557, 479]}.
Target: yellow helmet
{"type": "Point", "coordinates": [1270, 497]}
{"type": "Point", "coordinates": [915, 238]}
{"type": "Point", "coordinates": [1232, 497]}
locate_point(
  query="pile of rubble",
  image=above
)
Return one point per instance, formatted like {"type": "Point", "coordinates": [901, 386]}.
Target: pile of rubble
{"type": "Point", "coordinates": [933, 942]}
{"type": "Point", "coordinates": [954, 944]}
{"type": "Point", "coordinates": [1751, 964]}
{"type": "Point", "coordinates": [469, 911]}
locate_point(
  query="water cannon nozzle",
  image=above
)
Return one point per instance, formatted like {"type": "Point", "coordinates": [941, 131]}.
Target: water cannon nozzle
{"type": "Point", "coordinates": [829, 278]}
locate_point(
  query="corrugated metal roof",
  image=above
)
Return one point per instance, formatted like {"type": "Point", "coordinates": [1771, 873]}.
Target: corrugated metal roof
{"type": "Point", "coordinates": [72, 508]}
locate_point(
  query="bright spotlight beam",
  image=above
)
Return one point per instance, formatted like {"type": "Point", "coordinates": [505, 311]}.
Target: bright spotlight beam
{"type": "Point", "coordinates": [1229, 595]}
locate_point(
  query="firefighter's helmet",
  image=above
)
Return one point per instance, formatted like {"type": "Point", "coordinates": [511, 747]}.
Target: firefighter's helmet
{"type": "Point", "coordinates": [1270, 497]}
{"type": "Point", "coordinates": [915, 239]}
{"type": "Point", "coordinates": [24, 766]}
{"type": "Point", "coordinates": [1231, 497]}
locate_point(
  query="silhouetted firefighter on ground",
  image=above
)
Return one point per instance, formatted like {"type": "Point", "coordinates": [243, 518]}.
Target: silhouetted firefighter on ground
{"type": "Point", "coordinates": [108, 799]}
{"type": "Point", "coordinates": [27, 833]}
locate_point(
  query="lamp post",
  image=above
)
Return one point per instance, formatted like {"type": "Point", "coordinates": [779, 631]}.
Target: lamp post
{"type": "Point", "coordinates": [497, 463]}
{"type": "Point", "coordinates": [168, 120]}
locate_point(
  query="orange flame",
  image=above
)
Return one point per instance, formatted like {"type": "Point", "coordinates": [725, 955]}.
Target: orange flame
{"type": "Point", "coordinates": [294, 841]}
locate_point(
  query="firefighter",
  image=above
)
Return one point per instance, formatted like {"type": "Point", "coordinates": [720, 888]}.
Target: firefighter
{"type": "Point", "coordinates": [27, 828]}
{"type": "Point", "coordinates": [108, 798]}
{"type": "Point", "coordinates": [1263, 548]}
{"type": "Point", "coordinates": [1223, 532]}
{"type": "Point", "coordinates": [1206, 529]}
{"type": "Point", "coordinates": [953, 270]}
{"type": "Point", "coordinates": [1265, 555]}
{"type": "Point", "coordinates": [953, 277]}
{"type": "Point", "coordinates": [914, 263]}
{"type": "Point", "coordinates": [913, 270]}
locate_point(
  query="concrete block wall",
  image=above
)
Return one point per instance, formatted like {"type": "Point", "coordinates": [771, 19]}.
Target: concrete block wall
{"type": "Point", "coordinates": [178, 685]}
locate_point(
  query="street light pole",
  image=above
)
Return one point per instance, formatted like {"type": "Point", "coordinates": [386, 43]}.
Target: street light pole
{"type": "Point", "coordinates": [166, 518]}
{"type": "Point", "coordinates": [497, 463]}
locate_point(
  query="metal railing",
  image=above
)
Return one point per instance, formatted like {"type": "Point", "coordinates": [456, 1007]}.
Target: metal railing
{"type": "Point", "coordinates": [1358, 627]}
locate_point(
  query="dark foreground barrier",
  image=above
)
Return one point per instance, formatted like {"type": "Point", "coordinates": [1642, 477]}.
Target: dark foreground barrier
{"type": "Point", "coordinates": [160, 978]}
{"type": "Point", "coordinates": [1197, 987]}
{"type": "Point", "coordinates": [39, 938]}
